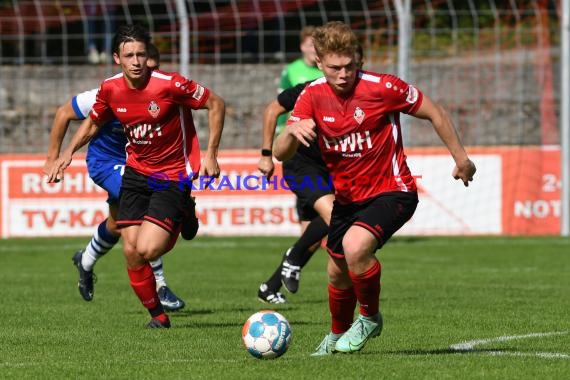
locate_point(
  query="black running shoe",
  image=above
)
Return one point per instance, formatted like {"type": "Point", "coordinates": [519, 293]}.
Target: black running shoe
{"type": "Point", "coordinates": [169, 300]}
{"type": "Point", "coordinates": [290, 276]}
{"type": "Point", "coordinates": [264, 294]}
{"type": "Point", "coordinates": [156, 324]}
{"type": "Point", "coordinates": [190, 223]}
{"type": "Point", "coordinates": [86, 278]}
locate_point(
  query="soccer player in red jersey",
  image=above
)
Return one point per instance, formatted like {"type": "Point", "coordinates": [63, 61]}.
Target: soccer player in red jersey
{"type": "Point", "coordinates": [354, 116]}
{"type": "Point", "coordinates": [314, 199]}
{"type": "Point", "coordinates": [105, 163]}
{"type": "Point", "coordinates": [163, 155]}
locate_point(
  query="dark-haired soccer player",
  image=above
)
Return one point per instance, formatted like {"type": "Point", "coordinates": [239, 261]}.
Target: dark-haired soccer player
{"type": "Point", "coordinates": [105, 163]}
{"type": "Point", "coordinates": [162, 155]}
{"type": "Point", "coordinates": [355, 116]}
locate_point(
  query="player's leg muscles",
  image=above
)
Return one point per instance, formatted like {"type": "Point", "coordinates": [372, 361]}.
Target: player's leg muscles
{"type": "Point", "coordinates": [324, 206]}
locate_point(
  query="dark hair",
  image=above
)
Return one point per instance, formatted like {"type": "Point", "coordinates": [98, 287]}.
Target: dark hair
{"type": "Point", "coordinates": [130, 33]}
{"type": "Point", "coordinates": [359, 51]}
{"type": "Point", "coordinates": [153, 53]}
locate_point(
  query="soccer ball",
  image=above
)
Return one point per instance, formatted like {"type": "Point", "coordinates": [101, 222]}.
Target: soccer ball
{"type": "Point", "coordinates": [266, 334]}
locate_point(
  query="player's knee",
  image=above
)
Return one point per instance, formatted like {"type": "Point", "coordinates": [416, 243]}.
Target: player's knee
{"type": "Point", "coordinates": [151, 253]}
{"type": "Point", "coordinates": [352, 249]}
{"type": "Point", "coordinates": [132, 256]}
{"type": "Point", "coordinates": [129, 249]}
{"type": "Point", "coordinates": [358, 245]}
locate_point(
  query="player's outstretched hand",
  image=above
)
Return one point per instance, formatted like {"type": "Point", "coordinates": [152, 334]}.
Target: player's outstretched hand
{"type": "Point", "coordinates": [303, 130]}
{"type": "Point", "coordinates": [465, 171]}
{"type": "Point", "coordinates": [55, 173]}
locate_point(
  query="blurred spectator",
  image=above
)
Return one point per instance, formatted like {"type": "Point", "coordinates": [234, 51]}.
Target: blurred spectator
{"type": "Point", "coordinates": [100, 26]}
{"type": "Point", "coordinates": [301, 70]}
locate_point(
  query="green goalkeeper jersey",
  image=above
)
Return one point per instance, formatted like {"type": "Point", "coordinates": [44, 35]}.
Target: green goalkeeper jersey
{"type": "Point", "coordinates": [294, 73]}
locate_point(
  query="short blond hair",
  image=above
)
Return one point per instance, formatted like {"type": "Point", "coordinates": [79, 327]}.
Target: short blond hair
{"type": "Point", "coordinates": [335, 37]}
{"type": "Point", "coordinates": [306, 32]}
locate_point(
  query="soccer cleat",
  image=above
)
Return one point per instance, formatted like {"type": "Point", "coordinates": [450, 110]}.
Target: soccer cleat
{"type": "Point", "coordinates": [86, 278]}
{"type": "Point", "coordinates": [156, 324]}
{"type": "Point", "coordinates": [290, 275]}
{"type": "Point", "coordinates": [190, 223]}
{"type": "Point", "coordinates": [327, 346]}
{"type": "Point", "coordinates": [362, 329]}
{"type": "Point", "coordinates": [264, 294]}
{"type": "Point", "coordinates": [169, 300]}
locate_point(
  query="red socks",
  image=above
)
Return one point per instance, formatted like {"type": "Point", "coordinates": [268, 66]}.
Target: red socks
{"type": "Point", "coordinates": [144, 285]}
{"type": "Point", "coordinates": [367, 289]}
{"type": "Point", "coordinates": [341, 305]}
{"type": "Point", "coordinates": [342, 302]}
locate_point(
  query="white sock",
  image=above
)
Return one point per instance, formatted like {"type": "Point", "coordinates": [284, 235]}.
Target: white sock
{"type": "Point", "coordinates": [101, 243]}
{"type": "Point", "coordinates": [158, 273]}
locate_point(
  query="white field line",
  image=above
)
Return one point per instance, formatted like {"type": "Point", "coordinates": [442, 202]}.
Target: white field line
{"type": "Point", "coordinates": [545, 355]}
{"type": "Point", "coordinates": [472, 344]}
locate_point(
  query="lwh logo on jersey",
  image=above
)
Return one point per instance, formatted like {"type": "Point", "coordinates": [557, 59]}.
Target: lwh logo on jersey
{"type": "Point", "coordinates": [140, 131]}
{"type": "Point", "coordinates": [351, 142]}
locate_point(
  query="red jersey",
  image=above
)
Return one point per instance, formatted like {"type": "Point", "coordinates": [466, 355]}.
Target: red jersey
{"type": "Point", "coordinates": [157, 121]}
{"type": "Point", "coordinates": [359, 134]}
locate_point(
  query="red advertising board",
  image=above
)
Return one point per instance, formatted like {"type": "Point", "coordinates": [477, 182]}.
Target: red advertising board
{"type": "Point", "coordinates": [516, 192]}
{"type": "Point", "coordinates": [531, 191]}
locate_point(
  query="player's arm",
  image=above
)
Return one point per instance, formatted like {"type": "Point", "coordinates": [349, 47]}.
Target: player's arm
{"type": "Point", "coordinates": [270, 115]}
{"type": "Point", "coordinates": [216, 115]}
{"type": "Point", "coordinates": [284, 103]}
{"type": "Point", "coordinates": [82, 136]}
{"type": "Point", "coordinates": [299, 132]}
{"type": "Point", "coordinates": [63, 116]}
{"type": "Point", "coordinates": [300, 128]}
{"type": "Point", "coordinates": [443, 125]}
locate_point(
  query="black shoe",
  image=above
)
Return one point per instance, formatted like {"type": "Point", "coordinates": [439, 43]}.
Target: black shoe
{"type": "Point", "coordinates": [264, 294]}
{"type": "Point", "coordinates": [169, 300]}
{"type": "Point", "coordinates": [190, 222]}
{"type": "Point", "coordinates": [156, 324]}
{"type": "Point", "coordinates": [86, 278]}
{"type": "Point", "coordinates": [290, 276]}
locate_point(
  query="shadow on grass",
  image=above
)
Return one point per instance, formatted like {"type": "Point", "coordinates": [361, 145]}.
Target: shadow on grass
{"type": "Point", "coordinates": [313, 301]}
{"type": "Point", "coordinates": [443, 351]}
{"type": "Point", "coordinates": [203, 325]}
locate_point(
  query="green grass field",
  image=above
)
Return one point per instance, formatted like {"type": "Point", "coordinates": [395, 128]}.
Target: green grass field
{"type": "Point", "coordinates": [508, 298]}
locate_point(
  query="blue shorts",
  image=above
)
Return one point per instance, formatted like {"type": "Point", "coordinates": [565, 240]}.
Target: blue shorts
{"type": "Point", "coordinates": [108, 175]}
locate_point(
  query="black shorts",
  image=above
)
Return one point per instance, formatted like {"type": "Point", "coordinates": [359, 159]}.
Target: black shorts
{"type": "Point", "coordinates": [164, 203]}
{"type": "Point", "coordinates": [382, 216]}
{"type": "Point", "coordinates": [309, 182]}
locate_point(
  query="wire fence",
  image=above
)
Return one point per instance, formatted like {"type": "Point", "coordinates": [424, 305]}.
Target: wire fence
{"type": "Point", "coordinates": [494, 64]}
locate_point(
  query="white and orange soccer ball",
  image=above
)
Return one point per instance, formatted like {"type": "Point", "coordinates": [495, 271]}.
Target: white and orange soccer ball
{"type": "Point", "coordinates": [266, 334]}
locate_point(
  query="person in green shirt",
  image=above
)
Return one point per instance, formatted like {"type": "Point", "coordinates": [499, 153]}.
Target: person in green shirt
{"type": "Point", "coordinates": [301, 70]}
